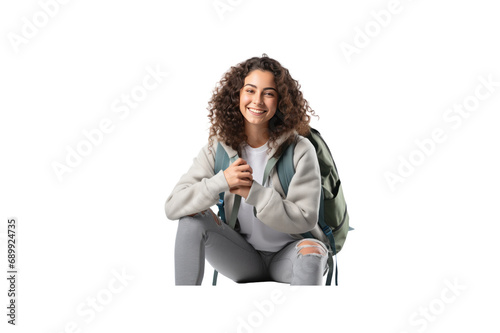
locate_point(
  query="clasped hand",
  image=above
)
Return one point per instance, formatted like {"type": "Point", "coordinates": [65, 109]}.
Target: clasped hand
{"type": "Point", "coordinates": [239, 177]}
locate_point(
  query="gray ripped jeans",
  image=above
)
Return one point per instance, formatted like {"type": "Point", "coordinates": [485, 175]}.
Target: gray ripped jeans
{"type": "Point", "coordinates": [205, 236]}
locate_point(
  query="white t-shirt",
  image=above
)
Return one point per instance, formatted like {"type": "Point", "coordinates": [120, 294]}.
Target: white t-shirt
{"type": "Point", "coordinates": [258, 234]}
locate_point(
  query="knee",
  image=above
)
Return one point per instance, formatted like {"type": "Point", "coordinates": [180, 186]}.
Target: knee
{"type": "Point", "coordinates": [311, 246]}
{"type": "Point", "coordinates": [190, 218]}
{"type": "Point", "coordinates": [310, 264]}
{"type": "Point", "coordinates": [191, 222]}
{"type": "Point", "coordinates": [200, 221]}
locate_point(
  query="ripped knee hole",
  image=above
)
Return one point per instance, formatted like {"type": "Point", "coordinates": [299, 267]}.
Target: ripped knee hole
{"type": "Point", "coordinates": [310, 247]}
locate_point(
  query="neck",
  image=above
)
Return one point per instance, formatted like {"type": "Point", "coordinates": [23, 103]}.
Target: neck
{"type": "Point", "coordinates": [256, 136]}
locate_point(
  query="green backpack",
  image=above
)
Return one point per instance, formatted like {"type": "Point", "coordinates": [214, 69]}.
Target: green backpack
{"type": "Point", "coordinates": [333, 217]}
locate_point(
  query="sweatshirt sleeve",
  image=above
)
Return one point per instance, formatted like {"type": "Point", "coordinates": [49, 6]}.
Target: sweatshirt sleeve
{"type": "Point", "coordinates": [198, 189]}
{"type": "Point", "coordinates": [298, 212]}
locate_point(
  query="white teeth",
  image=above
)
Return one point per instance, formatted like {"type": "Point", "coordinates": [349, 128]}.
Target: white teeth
{"type": "Point", "coordinates": [256, 111]}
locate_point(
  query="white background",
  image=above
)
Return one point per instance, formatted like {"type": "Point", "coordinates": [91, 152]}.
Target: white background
{"type": "Point", "coordinates": [107, 215]}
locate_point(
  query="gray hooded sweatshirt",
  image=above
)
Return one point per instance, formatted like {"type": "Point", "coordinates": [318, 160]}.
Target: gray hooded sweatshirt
{"type": "Point", "coordinates": [297, 213]}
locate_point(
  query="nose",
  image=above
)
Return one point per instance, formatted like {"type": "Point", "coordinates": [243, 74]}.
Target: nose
{"type": "Point", "coordinates": [257, 99]}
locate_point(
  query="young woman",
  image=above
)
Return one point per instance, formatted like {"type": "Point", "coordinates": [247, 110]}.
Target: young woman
{"type": "Point", "coordinates": [255, 112]}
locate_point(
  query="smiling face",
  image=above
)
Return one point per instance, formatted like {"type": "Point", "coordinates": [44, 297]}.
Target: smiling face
{"type": "Point", "coordinates": [258, 98]}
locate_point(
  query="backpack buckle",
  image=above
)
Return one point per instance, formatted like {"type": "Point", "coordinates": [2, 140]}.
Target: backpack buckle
{"type": "Point", "coordinates": [326, 229]}
{"type": "Point", "coordinates": [220, 205]}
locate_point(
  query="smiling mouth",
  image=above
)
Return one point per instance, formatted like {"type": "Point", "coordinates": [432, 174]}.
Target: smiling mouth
{"type": "Point", "coordinates": [256, 112]}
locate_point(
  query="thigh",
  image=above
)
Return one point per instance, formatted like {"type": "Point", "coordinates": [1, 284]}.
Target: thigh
{"type": "Point", "coordinates": [280, 267]}
{"type": "Point", "coordinates": [231, 255]}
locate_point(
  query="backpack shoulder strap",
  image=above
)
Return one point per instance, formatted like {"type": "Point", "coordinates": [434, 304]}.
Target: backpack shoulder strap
{"type": "Point", "coordinates": [221, 163]}
{"type": "Point", "coordinates": [286, 170]}
{"type": "Point", "coordinates": [221, 159]}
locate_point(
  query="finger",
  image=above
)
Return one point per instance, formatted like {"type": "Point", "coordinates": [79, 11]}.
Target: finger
{"type": "Point", "coordinates": [243, 182]}
{"type": "Point", "coordinates": [244, 168]}
{"type": "Point", "coordinates": [244, 175]}
{"type": "Point", "coordinates": [239, 161]}
{"type": "Point", "coordinates": [240, 190]}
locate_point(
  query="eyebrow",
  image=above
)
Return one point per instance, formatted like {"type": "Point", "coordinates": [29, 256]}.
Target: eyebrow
{"type": "Point", "coordinates": [249, 84]}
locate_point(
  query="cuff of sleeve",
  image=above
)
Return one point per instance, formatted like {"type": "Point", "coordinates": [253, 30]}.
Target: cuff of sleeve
{"type": "Point", "coordinates": [256, 191]}
{"type": "Point", "coordinates": [218, 183]}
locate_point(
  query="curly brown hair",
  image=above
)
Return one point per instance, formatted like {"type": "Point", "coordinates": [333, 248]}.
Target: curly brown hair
{"type": "Point", "coordinates": [227, 122]}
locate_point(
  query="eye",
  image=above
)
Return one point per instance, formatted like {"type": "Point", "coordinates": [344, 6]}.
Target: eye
{"type": "Point", "coordinates": [249, 91]}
